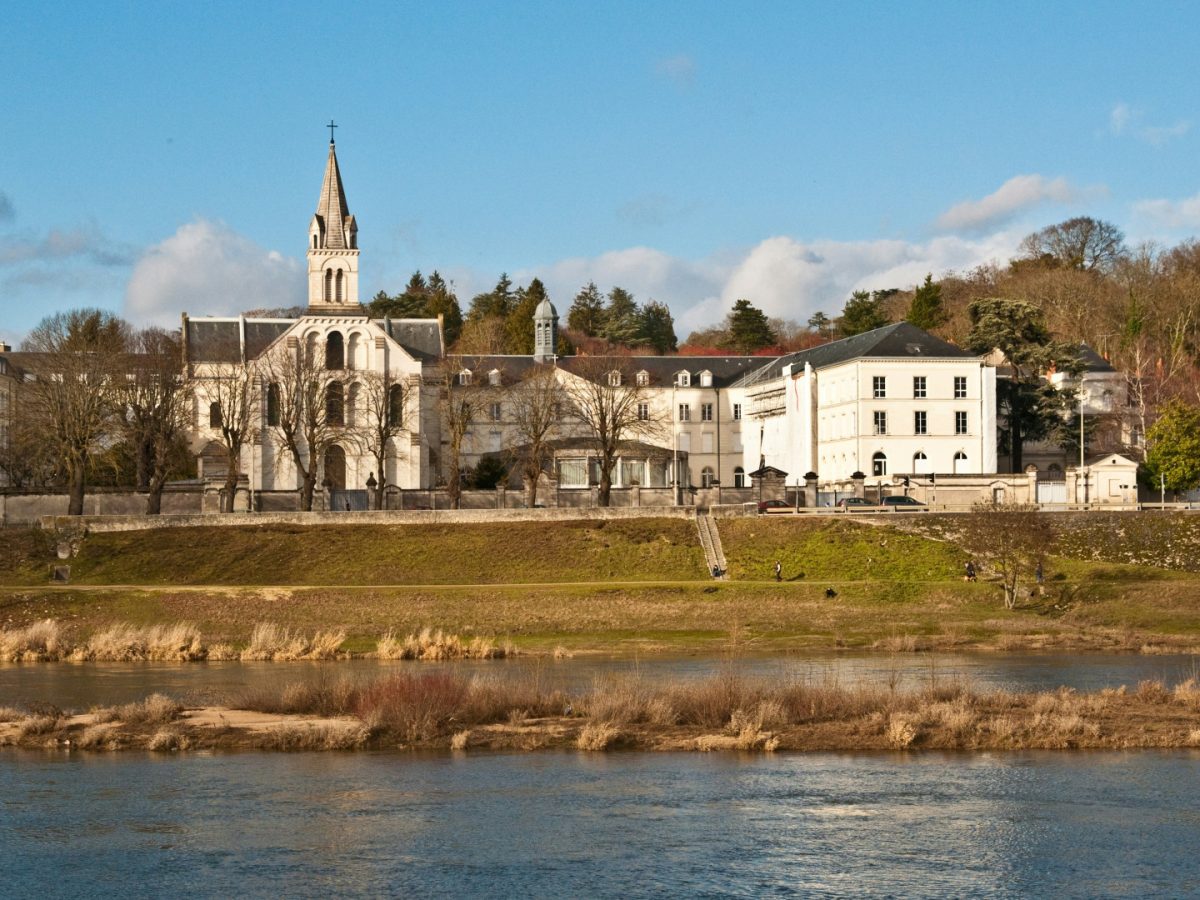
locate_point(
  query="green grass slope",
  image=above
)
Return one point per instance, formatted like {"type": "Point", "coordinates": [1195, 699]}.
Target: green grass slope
{"type": "Point", "coordinates": [494, 553]}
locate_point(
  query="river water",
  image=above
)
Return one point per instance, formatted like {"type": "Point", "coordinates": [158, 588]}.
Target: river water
{"type": "Point", "coordinates": [81, 685]}
{"type": "Point", "coordinates": [554, 824]}
{"type": "Point", "coordinates": [604, 825]}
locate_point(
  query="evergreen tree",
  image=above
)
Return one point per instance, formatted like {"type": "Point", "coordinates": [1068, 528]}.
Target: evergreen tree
{"type": "Point", "coordinates": [1173, 442]}
{"type": "Point", "coordinates": [657, 328]}
{"type": "Point", "coordinates": [926, 310]}
{"type": "Point", "coordinates": [442, 301]}
{"type": "Point", "coordinates": [863, 312]}
{"type": "Point", "coordinates": [820, 323]}
{"type": "Point", "coordinates": [587, 311]}
{"type": "Point", "coordinates": [497, 303]}
{"type": "Point", "coordinates": [621, 318]}
{"type": "Point", "coordinates": [748, 328]}
{"type": "Point", "coordinates": [518, 328]}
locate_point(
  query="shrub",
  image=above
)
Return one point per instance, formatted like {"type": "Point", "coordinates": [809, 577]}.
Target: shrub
{"type": "Point", "coordinates": [597, 736]}
{"type": "Point", "coordinates": [413, 707]}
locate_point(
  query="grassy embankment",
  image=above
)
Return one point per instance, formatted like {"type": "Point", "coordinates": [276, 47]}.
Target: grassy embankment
{"type": "Point", "coordinates": [440, 710]}
{"type": "Point", "coordinates": [1115, 582]}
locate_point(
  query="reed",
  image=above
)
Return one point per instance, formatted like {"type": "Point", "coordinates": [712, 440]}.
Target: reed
{"type": "Point", "coordinates": [40, 642]}
{"type": "Point", "coordinates": [272, 642]}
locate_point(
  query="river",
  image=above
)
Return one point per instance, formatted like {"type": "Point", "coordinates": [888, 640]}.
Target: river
{"type": "Point", "coordinates": [1025, 824]}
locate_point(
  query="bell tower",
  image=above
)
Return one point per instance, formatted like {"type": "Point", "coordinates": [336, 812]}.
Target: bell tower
{"type": "Point", "coordinates": [333, 247]}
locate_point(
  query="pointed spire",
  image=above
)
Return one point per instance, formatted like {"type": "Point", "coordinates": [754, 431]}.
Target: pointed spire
{"type": "Point", "coordinates": [332, 210]}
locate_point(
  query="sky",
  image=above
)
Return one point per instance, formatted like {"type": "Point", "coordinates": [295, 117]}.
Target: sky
{"type": "Point", "coordinates": [164, 157]}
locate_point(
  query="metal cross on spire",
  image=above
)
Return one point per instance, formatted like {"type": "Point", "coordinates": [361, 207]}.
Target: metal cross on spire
{"type": "Point", "coordinates": [331, 126]}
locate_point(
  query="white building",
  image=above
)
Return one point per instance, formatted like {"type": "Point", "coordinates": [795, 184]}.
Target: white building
{"type": "Point", "coordinates": [889, 402]}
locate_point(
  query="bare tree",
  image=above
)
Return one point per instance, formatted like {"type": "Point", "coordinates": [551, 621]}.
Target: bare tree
{"type": "Point", "coordinates": [306, 409]}
{"type": "Point", "coordinates": [613, 405]}
{"type": "Point", "coordinates": [386, 403]}
{"type": "Point", "coordinates": [1080, 243]}
{"type": "Point", "coordinates": [460, 403]}
{"type": "Point", "coordinates": [228, 388]}
{"type": "Point", "coordinates": [71, 396]}
{"type": "Point", "coordinates": [1011, 540]}
{"type": "Point", "coordinates": [538, 403]}
{"type": "Point", "coordinates": [151, 400]}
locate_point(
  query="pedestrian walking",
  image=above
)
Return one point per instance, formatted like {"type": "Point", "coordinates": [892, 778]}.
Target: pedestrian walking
{"type": "Point", "coordinates": [778, 571]}
{"type": "Point", "coordinates": [970, 570]}
{"type": "Point", "coordinates": [1039, 573]}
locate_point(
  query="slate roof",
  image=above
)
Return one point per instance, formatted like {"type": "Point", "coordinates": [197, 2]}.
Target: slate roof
{"type": "Point", "coordinates": [220, 340]}
{"type": "Point", "coordinates": [726, 370]}
{"type": "Point", "coordinates": [331, 206]}
{"type": "Point", "coordinates": [896, 341]}
{"type": "Point", "coordinates": [1093, 361]}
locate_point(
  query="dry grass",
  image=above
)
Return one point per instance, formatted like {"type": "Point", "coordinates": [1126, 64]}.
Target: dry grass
{"type": "Point", "coordinates": [168, 740]}
{"type": "Point", "coordinates": [597, 736]}
{"type": "Point", "coordinates": [461, 739]}
{"type": "Point", "coordinates": [39, 642]}
{"type": "Point", "coordinates": [101, 737]}
{"type": "Point", "coordinates": [38, 725]}
{"type": "Point", "coordinates": [430, 644]}
{"type": "Point", "coordinates": [316, 736]}
{"type": "Point", "coordinates": [157, 709]}
{"type": "Point", "coordinates": [179, 642]}
{"type": "Point", "coordinates": [276, 643]}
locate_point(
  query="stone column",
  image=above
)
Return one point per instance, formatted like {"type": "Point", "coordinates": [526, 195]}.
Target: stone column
{"type": "Point", "coordinates": [810, 490]}
{"type": "Point", "coordinates": [858, 479]}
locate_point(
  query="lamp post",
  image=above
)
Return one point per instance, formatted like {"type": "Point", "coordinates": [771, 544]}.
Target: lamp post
{"type": "Point", "coordinates": [1081, 439]}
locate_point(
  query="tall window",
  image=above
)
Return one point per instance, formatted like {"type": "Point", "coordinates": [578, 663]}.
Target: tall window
{"type": "Point", "coordinates": [494, 378]}
{"type": "Point", "coordinates": [920, 422]}
{"type": "Point", "coordinates": [273, 404]}
{"type": "Point", "coordinates": [706, 412]}
{"type": "Point", "coordinates": [335, 404]}
{"type": "Point", "coordinates": [960, 422]}
{"type": "Point", "coordinates": [496, 411]}
{"type": "Point", "coordinates": [960, 463]}
{"type": "Point", "coordinates": [352, 405]}
{"type": "Point", "coordinates": [335, 351]}
{"type": "Point", "coordinates": [340, 289]}
{"type": "Point", "coordinates": [643, 412]}
{"type": "Point", "coordinates": [685, 412]}
{"type": "Point", "coordinates": [214, 415]}
{"type": "Point", "coordinates": [737, 412]}
{"type": "Point", "coordinates": [643, 378]}
{"type": "Point", "coordinates": [328, 285]}
{"type": "Point", "coordinates": [614, 378]}
{"type": "Point", "coordinates": [880, 422]}
{"type": "Point", "coordinates": [920, 463]}
{"type": "Point", "coordinates": [739, 477]}
{"type": "Point", "coordinates": [396, 405]}
{"type": "Point", "coordinates": [879, 386]}
{"type": "Point", "coordinates": [960, 387]}
{"type": "Point", "coordinates": [919, 387]}
{"type": "Point", "coordinates": [707, 477]}
{"type": "Point", "coordinates": [879, 464]}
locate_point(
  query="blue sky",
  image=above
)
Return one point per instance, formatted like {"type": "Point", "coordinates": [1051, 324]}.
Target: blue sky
{"type": "Point", "coordinates": [166, 157]}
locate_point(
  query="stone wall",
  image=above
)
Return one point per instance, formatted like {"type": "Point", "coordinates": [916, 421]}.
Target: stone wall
{"type": "Point", "coordinates": [27, 509]}
{"type": "Point", "coordinates": [384, 517]}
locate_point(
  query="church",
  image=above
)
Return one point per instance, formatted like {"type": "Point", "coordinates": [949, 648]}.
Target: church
{"type": "Point", "coordinates": [335, 409]}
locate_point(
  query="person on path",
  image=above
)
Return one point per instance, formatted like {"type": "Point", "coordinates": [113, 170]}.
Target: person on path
{"type": "Point", "coordinates": [970, 570]}
{"type": "Point", "coordinates": [778, 571]}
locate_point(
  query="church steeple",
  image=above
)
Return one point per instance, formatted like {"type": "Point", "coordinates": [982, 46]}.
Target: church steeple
{"type": "Point", "coordinates": [333, 246]}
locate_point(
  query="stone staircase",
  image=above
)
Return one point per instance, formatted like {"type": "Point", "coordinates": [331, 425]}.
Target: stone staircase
{"type": "Point", "coordinates": [710, 540]}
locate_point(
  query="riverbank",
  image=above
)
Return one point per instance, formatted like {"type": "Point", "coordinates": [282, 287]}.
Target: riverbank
{"type": "Point", "coordinates": [728, 712]}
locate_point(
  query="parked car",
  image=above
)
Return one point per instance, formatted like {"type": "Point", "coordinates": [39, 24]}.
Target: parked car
{"type": "Point", "coordinates": [848, 502]}
{"type": "Point", "coordinates": [902, 502]}
{"type": "Point", "coordinates": [766, 506]}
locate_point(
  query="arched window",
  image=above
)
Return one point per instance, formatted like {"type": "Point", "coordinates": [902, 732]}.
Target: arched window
{"type": "Point", "coordinates": [643, 378]}
{"type": "Point", "coordinates": [707, 477]}
{"type": "Point", "coordinates": [614, 378]}
{"type": "Point", "coordinates": [328, 285]}
{"type": "Point", "coordinates": [879, 464]}
{"type": "Point", "coordinates": [340, 290]}
{"type": "Point", "coordinates": [352, 405]}
{"type": "Point", "coordinates": [335, 404]}
{"type": "Point", "coordinates": [310, 349]}
{"type": "Point", "coordinates": [335, 468]}
{"type": "Point", "coordinates": [354, 349]}
{"type": "Point", "coordinates": [464, 377]}
{"type": "Point", "coordinates": [396, 406]}
{"type": "Point", "coordinates": [739, 477]}
{"type": "Point", "coordinates": [960, 463]}
{"type": "Point", "coordinates": [494, 378]}
{"type": "Point", "coordinates": [335, 351]}
{"type": "Point", "coordinates": [920, 464]}
{"type": "Point", "coordinates": [214, 415]}
{"type": "Point", "coordinates": [273, 404]}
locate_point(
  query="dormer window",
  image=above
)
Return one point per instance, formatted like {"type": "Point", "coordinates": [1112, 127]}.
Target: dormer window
{"type": "Point", "coordinates": [683, 379]}
{"type": "Point", "coordinates": [494, 378]}
{"type": "Point", "coordinates": [706, 379]}
{"type": "Point", "coordinates": [614, 378]}
{"type": "Point", "coordinates": [643, 378]}
{"type": "Point", "coordinates": [464, 377]}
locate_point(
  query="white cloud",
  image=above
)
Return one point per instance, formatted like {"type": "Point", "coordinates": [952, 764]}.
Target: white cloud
{"type": "Point", "coordinates": [1019, 193]}
{"type": "Point", "coordinates": [206, 268]}
{"type": "Point", "coordinates": [1126, 121]}
{"type": "Point", "coordinates": [679, 69]}
{"type": "Point", "coordinates": [1183, 213]}
{"type": "Point", "coordinates": [784, 277]}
